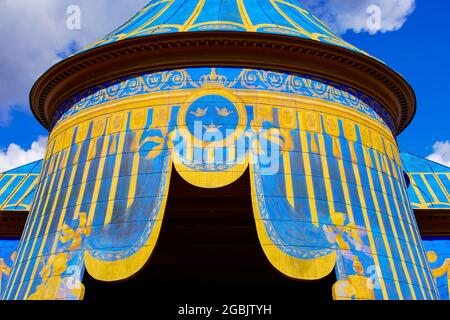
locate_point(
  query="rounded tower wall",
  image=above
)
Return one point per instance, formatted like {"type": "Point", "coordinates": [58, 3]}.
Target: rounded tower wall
{"type": "Point", "coordinates": [319, 141]}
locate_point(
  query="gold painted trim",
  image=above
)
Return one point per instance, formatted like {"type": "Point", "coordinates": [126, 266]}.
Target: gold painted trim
{"type": "Point", "coordinates": [209, 180]}
{"type": "Point", "coordinates": [178, 97]}
{"type": "Point", "coordinates": [250, 49]}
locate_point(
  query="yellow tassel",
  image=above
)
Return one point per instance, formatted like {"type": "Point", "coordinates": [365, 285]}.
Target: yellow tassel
{"type": "Point", "coordinates": [314, 146]}
{"type": "Point", "coordinates": [337, 148]}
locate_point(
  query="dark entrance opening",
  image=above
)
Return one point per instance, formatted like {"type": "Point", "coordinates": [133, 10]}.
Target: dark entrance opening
{"type": "Point", "coordinates": [208, 249]}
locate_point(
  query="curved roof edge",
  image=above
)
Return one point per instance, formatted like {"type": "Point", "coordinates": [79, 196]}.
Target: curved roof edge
{"type": "Point", "coordinates": [242, 49]}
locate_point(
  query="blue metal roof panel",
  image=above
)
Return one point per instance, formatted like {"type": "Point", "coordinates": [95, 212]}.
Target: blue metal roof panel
{"type": "Point", "coordinates": [430, 182]}
{"type": "Point", "coordinates": [17, 187]}
{"type": "Point", "coordinates": [286, 17]}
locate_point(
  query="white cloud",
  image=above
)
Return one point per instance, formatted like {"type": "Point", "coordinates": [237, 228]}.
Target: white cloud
{"type": "Point", "coordinates": [344, 15]}
{"type": "Point", "coordinates": [441, 153]}
{"type": "Point", "coordinates": [34, 32]}
{"type": "Point", "coordinates": [15, 156]}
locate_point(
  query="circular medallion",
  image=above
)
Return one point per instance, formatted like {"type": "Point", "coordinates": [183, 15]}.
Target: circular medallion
{"type": "Point", "coordinates": [211, 122]}
{"type": "Point", "coordinates": [212, 118]}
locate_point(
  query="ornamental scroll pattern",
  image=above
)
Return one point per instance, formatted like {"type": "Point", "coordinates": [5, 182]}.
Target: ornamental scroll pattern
{"type": "Point", "coordinates": [230, 78]}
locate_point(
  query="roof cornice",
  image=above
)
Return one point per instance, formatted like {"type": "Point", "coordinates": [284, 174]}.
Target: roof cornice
{"type": "Point", "coordinates": [240, 49]}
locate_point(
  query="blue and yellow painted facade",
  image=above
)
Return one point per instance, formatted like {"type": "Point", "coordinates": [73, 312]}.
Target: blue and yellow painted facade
{"type": "Point", "coordinates": [328, 187]}
{"type": "Point", "coordinates": [328, 191]}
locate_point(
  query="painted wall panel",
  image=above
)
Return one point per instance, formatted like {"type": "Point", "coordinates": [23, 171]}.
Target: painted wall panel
{"type": "Point", "coordinates": [328, 189]}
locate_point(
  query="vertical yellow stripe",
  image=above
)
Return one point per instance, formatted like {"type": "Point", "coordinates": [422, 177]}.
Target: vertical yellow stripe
{"type": "Point", "coordinates": [380, 222]}
{"type": "Point", "coordinates": [41, 220]}
{"type": "Point", "coordinates": [28, 228]}
{"type": "Point", "coordinates": [308, 176]}
{"type": "Point", "coordinates": [115, 178]}
{"type": "Point", "coordinates": [326, 175]}
{"type": "Point", "coordinates": [87, 167]}
{"type": "Point", "coordinates": [98, 180]}
{"type": "Point", "coordinates": [405, 233]}
{"type": "Point", "coordinates": [49, 222]}
{"type": "Point", "coordinates": [369, 229]}
{"type": "Point", "coordinates": [31, 225]}
{"type": "Point", "coordinates": [394, 229]}
{"type": "Point", "coordinates": [288, 178]}
{"type": "Point", "coordinates": [346, 191]}
{"type": "Point", "coordinates": [133, 180]}
{"type": "Point", "coordinates": [66, 201]}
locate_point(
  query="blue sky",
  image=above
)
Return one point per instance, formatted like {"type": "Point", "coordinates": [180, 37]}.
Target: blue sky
{"type": "Point", "coordinates": [419, 50]}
